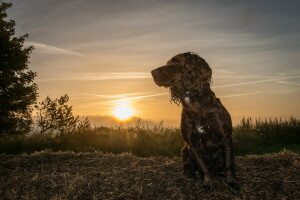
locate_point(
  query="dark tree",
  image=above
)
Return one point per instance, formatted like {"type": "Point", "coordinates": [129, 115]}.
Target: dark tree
{"type": "Point", "coordinates": [17, 90]}
{"type": "Point", "coordinates": [55, 116]}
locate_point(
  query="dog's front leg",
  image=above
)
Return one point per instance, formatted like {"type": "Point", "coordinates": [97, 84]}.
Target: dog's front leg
{"type": "Point", "coordinates": [229, 161]}
{"type": "Point", "coordinates": [197, 157]}
{"type": "Point", "coordinates": [192, 146]}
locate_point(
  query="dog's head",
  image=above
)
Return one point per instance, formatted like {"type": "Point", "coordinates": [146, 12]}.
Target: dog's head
{"type": "Point", "coordinates": [184, 73]}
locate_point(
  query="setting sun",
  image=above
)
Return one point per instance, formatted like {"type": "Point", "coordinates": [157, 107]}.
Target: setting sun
{"type": "Point", "coordinates": [123, 112]}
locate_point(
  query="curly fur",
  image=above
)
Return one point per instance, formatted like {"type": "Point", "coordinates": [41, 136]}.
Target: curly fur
{"type": "Point", "coordinates": [194, 67]}
{"type": "Point", "coordinates": [205, 123]}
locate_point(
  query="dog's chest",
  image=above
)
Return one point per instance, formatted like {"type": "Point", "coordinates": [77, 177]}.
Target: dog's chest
{"type": "Point", "coordinates": [197, 117]}
{"type": "Point", "coordinates": [204, 139]}
{"type": "Point", "coordinates": [201, 130]}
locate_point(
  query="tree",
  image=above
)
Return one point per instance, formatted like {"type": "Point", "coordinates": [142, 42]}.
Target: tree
{"type": "Point", "coordinates": [84, 125]}
{"type": "Point", "coordinates": [55, 116]}
{"type": "Point", "coordinates": [17, 90]}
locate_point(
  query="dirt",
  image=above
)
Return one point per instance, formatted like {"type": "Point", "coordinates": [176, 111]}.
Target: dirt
{"type": "Point", "coordinates": [46, 175]}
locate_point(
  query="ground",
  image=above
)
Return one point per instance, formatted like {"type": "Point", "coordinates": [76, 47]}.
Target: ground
{"type": "Point", "coordinates": [47, 175]}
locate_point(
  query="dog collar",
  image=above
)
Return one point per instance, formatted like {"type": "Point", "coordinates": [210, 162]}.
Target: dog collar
{"type": "Point", "coordinates": [187, 98]}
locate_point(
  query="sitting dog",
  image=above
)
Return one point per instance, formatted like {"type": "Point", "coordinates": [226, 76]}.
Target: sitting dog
{"type": "Point", "coordinates": [206, 125]}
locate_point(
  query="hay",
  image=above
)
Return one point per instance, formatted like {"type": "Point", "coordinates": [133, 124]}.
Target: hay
{"type": "Point", "coordinates": [47, 175]}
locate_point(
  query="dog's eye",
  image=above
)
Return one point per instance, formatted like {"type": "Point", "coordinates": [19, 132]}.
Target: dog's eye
{"type": "Point", "coordinates": [174, 63]}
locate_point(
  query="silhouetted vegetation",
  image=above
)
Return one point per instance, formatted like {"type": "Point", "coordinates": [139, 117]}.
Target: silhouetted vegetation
{"type": "Point", "coordinates": [56, 117]}
{"type": "Point", "coordinates": [254, 136]}
{"type": "Point", "coordinates": [17, 90]}
{"type": "Point", "coordinates": [250, 137]}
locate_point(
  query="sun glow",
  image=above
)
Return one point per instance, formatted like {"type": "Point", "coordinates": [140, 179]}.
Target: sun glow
{"type": "Point", "coordinates": [123, 112]}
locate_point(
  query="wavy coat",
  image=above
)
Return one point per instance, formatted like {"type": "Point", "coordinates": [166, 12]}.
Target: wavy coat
{"type": "Point", "coordinates": [206, 125]}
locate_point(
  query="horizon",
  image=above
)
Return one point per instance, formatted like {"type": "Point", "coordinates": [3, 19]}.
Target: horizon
{"type": "Point", "coordinates": [101, 54]}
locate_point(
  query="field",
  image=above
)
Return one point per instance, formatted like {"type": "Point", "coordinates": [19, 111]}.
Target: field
{"type": "Point", "coordinates": [250, 137]}
{"type": "Point", "coordinates": [144, 163]}
{"type": "Point", "coordinates": [67, 175]}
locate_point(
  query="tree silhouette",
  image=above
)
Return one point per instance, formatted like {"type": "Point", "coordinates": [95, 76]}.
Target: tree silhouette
{"type": "Point", "coordinates": [55, 116]}
{"type": "Point", "coordinates": [17, 90]}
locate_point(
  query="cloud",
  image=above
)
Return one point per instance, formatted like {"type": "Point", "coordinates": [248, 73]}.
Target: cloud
{"type": "Point", "coordinates": [97, 76]}
{"type": "Point", "coordinates": [117, 101]}
{"type": "Point", "coordinates": [116, 96]}
{"type": "Point", "coordinates": [240, 94]}
{"type": "Point", "coordinates": [254, 82]}
{"type": "Point", "coordinates": [132, 98]}
{"type": "Point", "coordinates": [48, 49]}
{"type": "Point", "coordinates": [112, 76]}
{"type": "Point", "coordinates": [284, 82]}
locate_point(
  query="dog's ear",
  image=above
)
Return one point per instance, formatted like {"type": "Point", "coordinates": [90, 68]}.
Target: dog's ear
{"type": "Point", "coordinates": [197, 73]}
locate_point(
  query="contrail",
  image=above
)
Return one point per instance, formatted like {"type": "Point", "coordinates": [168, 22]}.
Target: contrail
{"type": "Point", "coordinates": [45, 48]}
{"type": "Point", "coordinates": [115, 96]}
{"type": "Point", "coordinates": [112, 76]}
{"type": "Point", "coordinates": [132, 98]}
{"type": "Point", "coordinates": [241, 94]}
{"type": "Point", "coordinates": [288, 83]}
{"type": "Point", "coordinates": [253, 82]}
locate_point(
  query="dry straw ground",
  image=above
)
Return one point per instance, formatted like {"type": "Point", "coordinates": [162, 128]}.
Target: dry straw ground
{"type": "Point", "coordinates": [47, 175]}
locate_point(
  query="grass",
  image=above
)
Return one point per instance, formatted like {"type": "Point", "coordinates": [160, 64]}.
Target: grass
{"type": "Point", "coordinates": [68, 175]}
{"type": "Point", "coordinates": [266, 136]}
{"type": "Point", "coordinates": [250, 137]}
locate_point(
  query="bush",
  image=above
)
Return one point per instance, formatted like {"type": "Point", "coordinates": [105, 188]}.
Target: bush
{"type": "Point", "coordinates": [249, 138]}
{"type": "Point", "coordinates": [56, 117]}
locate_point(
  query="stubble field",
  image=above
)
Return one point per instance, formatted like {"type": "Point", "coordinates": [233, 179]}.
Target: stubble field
{"type": "Point", "coordinates": [67, 175]}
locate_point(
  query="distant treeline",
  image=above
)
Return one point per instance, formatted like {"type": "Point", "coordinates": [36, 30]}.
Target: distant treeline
{"type": "Point", "coordinates": [250, 137]}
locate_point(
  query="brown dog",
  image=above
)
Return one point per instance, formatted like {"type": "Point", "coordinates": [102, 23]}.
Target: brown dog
{"type": "Point", "coordinates": [205, 123]}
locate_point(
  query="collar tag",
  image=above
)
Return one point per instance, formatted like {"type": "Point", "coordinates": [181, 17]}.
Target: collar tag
{"type": "Point", "coordinates": [187, 100]}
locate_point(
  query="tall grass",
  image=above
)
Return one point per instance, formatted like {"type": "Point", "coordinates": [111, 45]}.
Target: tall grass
{"type": "Point", "coordinates": [261, 136]}
{"type": "Point", "coordinates": [250, 136]}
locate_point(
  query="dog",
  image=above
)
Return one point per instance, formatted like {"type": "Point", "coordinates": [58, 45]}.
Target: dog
{"type": "Point", "coordinates": [206, 125]}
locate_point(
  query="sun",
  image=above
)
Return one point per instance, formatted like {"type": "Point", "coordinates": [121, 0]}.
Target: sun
{"type": "Point", "coordinates": [123, 112]}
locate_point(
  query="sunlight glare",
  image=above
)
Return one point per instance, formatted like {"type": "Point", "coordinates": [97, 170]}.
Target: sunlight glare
{"type": "Point", "coordinates": [123, 112]}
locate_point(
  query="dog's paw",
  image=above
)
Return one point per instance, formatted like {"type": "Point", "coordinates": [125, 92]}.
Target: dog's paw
{"type": "Point", "coordinates": [190, 174]}
{"type": "Point", "coordinates": [233, 185]}
{"type": "Point", "coordinates": [206, 185]}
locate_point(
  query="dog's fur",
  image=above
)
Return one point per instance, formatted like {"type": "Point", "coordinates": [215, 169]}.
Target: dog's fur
{"type": "Point", "coordinates": [206, 125]}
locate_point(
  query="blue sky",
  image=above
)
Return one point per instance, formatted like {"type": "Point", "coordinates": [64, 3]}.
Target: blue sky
{"type": "Point", "coordinates": [97, 50]}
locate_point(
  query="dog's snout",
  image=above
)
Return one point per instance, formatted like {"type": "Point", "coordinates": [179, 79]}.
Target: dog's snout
{"type": "Point", "coordinates": [154, 73]}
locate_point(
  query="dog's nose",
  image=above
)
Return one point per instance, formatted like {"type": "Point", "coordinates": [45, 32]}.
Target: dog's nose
{"type": "Point", "coordinates": [153, 72]}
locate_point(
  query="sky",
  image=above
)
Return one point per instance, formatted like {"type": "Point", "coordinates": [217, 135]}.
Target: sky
{"type": "Point", "coordinates": [101, 52]}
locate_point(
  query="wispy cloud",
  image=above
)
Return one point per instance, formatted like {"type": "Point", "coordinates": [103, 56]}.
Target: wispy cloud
{"type": "Point", "coordinates": [284, 82]}
{"type": "Point", "coordinates": [254, 82]}
{"type": "Point", "coordinates": [116, 96]}
{"type": "Point", "coordinates": [48, 49]}
{"type": "Point", "coordinates": [111, 76]}
{"type": "Point", "coordinates": [117, 101]}
{"type": "Point", "coordinates": [240, 94]}
{"type": "Point", "coordinates": [97, 76]}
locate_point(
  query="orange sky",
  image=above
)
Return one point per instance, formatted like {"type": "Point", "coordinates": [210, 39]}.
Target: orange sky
{"type": "Point", "coordinates": [101, 52]}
